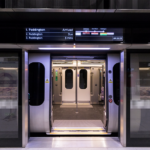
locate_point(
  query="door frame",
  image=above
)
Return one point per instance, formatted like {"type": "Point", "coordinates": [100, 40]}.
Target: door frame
{"type": "Point", "coordinates": [76, 58]}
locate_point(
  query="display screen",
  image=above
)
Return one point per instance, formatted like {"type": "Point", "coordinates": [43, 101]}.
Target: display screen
{"type": "Point", "coordinates": [99, 34]}
{"type": "Point", "coordinates": [49, 34]}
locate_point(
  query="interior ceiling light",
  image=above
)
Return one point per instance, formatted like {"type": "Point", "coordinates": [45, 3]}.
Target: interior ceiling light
{"type": "Point", "coordinates": [46, 48]}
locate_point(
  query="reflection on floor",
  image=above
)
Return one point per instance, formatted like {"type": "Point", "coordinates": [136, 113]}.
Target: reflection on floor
{"type": "Point", "coordinates": [74, 142]}
{"type": "Point", "coordinates": [77, 123]}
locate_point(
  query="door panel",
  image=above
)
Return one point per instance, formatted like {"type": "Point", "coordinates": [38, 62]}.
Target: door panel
{"type": "Point", "coordinates": [112, 107]}
{"type": "Point", "coordinates": [39, 114]}
{"type": "Point", "coordinates": [68, 85]}
{"type": "Point", "coordinates": [83, 85]}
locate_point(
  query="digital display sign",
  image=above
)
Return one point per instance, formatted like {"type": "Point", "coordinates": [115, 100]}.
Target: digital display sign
{"type": "Point", "coordinates": [49, 34]}
{"type": "Point", "coordinates": [99, 34]}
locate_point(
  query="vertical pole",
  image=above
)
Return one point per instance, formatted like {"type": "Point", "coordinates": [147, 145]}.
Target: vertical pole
{"type": "Point", "coordinates": [76, 86]}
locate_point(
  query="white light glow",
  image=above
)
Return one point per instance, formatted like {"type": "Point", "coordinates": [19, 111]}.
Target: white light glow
{"type": "Point", "coordinates": [9, 68]}
{"type": "Point", "coordinates": [46, 48]}
{"type": "Point", "coordinates": [144, 68]}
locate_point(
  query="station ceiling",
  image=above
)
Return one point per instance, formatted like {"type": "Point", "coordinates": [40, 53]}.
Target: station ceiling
{"type": "Point", "coordinates": [75, 17]}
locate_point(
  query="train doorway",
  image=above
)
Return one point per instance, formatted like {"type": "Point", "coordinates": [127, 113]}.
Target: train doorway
{"type": "Point", "coordinates": [74, 95]}
{"type": "Point", "coordinates": [78, 96]}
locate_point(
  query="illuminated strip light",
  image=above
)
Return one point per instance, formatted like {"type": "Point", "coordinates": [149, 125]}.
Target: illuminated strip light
{"type": "Point", "coordinates": [106, 33]}
{"type": "Point", "coordinates": [144, 68]}
{"type": "Point", "coordinates": [110, 33]}
{"type": "Point", "coordinates": [103, 34]}
{"type": "Point", "coordinates": [94, 33]}
{"type": "Point", "coordinates": [86, 33]}
{"type": "Point", "coordinates": [9, 68]}
{"type": "Point", "coordinates": [78, 33]}
{"type": "Point", "coordinates": [45, 48]}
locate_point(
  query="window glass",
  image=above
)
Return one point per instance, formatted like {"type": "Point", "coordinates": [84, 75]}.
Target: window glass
{"type": "Point", "coordinates": [36, 83]}
{"type": "Point", "coordinates": [83, 79]}
{"type": "Point", "coordinates": [9, 69]}
{"type": "Point", "coordinates": [139, 95]}
{"type": "Point", "coordinates": [116, 83]}
{"type": "Point", "coordinates": [69, 79]}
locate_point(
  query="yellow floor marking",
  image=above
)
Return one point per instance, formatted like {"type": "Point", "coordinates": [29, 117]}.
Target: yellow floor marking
{"type": "Point", "coordinates": [77, 133]}
{"type": "Point", "coordinates": [78, 129]}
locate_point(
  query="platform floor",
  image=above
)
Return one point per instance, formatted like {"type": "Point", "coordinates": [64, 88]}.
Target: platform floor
{"type": "Point", "coordinates": [73, 142]}
{"type": "Point", "coordinates": [77, 143]}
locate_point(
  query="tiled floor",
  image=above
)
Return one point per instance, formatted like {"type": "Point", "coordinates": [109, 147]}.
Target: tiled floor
{"type": "Point", "coordinates": [95, 113]}
{"type": "Point", "coordinates": [75, 143]}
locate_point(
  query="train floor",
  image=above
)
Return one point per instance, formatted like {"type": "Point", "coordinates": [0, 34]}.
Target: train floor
{"type": "Point", "coordinates": [78, 117]}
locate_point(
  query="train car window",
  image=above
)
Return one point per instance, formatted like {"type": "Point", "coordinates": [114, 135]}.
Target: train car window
{"type": "Point", "coordinates": [83, 79]}
{"type": "Point", "coordinates": [36, 83]}
{"type": "Point", "coordinates": [69, 79]}
{"type": "Point", "coordinates": [116, 83]}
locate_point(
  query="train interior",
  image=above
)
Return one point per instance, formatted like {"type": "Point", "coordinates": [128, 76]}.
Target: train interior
{"type": "Point", "coordinates": [78, 96]}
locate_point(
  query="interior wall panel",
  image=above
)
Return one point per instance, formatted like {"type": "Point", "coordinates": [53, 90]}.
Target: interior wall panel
{"type": "Point", "coordinates": [14, 4]}
{"type": "Point", "coordinates": [144, 4]}
{"type": "Point", "coordinates": [100, 4]}
{"type": "Point", "coordinates": [135, 4]}
{"type": "Point", "coordinates": [87, 4]}
{"type": "Point", "coordinates": [123, 4]}
{"type": "Point", "coordinates": [8, 3]}
{"type": "Point", "coordinates": [112, 4]}
{"type": "Point", "coordinates": [48, 4]}
{"type": "Point", "coordinates": [39, 3]}
{"type": "Point", "coordinates": [32, 3]}
{"type": "Point", "coordinates": [78, 4]}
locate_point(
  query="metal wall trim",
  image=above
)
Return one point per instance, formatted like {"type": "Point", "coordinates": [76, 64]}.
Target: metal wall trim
{"type": "Point", "coordinates": [123, 61]}
{"type": "Point", "coordinates": [24, 98]}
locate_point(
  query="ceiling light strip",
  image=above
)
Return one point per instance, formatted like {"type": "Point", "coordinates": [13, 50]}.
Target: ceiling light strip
{"type": "Point", "coordinates": [46, 48]}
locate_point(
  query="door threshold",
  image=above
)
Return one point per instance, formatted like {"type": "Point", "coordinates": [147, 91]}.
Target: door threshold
{"type": "Point", "coordinates": [78, 128]}
{"type": "Point", "coordinates": [78, 131]}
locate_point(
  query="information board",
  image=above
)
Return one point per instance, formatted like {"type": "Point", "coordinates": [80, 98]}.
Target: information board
{"type": "Point", "coordinates": [99, 34]}
{"type": "Point", "coordinates": [49, 34]}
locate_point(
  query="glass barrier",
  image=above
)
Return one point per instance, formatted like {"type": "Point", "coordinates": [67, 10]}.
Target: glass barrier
{"type": "Point", "coordinates": [9, 95]}
{"type": "Point", "coordinates": [139, 95]}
